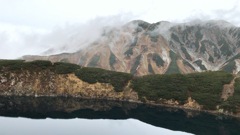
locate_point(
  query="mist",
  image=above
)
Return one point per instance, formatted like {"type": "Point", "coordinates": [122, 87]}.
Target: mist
{"type": "Point", "coordinates": [16, 41]}
{"type": "Point", "coordinates": [50, 27]}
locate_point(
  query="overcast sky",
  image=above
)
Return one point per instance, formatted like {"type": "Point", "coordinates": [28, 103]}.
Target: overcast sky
{"type": "Point", "coordinates": [80, 127]}
{"type": "Point", "coordinates": [22, 21]}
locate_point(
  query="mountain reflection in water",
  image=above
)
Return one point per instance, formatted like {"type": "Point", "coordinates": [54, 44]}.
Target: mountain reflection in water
{"type": "Point", "coordinates": [169, 118]}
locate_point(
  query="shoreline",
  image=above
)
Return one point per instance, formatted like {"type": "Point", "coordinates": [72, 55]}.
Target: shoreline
{"type": "Point", "coordinates": [212, 112]}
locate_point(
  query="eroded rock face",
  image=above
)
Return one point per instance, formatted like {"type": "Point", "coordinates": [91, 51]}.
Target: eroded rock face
{"type": "Point", "coordinates": [192, 104]}
{"type": "Point", "coordinates": [142, 48]}
{"type": "Point", "coordinates": [48, 83]}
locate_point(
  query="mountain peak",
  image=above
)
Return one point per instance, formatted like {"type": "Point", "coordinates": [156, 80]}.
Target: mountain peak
{"type": "Point", "coordinates": [144, 48]}
{"type": "Point", "coordinates": [220, 23]}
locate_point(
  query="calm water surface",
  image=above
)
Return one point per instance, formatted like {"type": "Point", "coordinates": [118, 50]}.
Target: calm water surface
{"type": "Point", "coordinates": [61, 116]}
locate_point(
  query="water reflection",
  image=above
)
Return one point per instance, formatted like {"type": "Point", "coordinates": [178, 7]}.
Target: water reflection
{"type": "Point", "coordinates": [80, 127]}
{"type": "Point", "coordinates": [65, 108]}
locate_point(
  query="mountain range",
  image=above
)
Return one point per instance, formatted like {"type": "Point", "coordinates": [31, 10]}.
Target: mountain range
{"type": "Point", "coordinates": [142, 48]}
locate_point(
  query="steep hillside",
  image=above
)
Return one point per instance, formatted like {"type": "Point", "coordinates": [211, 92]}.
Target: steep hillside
{"type": "Point", "coordinates": [217, 92]}
{"type": "Point", "coordinates": [142, 48]}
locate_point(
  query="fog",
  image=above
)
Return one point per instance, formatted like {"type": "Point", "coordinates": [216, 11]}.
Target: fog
{"type": "Point", "coordinates": [42, 27]}
{"type": "Point", "coordinates": [16, 41]}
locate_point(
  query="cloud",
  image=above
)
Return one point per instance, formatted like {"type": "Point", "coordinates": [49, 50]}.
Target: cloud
{"type": "Point", "coordinates": [230, 15]}
{"type": "Point", "coordinates": [28, 24]}
{"type": "Point", "coordinates": [16, 41]}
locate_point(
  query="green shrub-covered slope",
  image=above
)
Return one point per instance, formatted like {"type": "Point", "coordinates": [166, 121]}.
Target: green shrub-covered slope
{"type": "Point", "coordinates": [91, 75]}
{"type": "Point", "coordinates": [205, 88]}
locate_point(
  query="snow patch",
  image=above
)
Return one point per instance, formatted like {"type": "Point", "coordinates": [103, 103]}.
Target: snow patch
{"type": "Point", "coordinates": [237, 66]}
{"type": "Point", "coordinates": [165, 56]}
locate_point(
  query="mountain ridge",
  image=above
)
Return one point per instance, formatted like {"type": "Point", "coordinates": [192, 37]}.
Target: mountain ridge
{"type": "Point", "coordinates": [141, 48]}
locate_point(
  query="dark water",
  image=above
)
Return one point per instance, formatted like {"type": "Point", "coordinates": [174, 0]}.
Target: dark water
{"type": "Point", "coordinates": [90, 117]}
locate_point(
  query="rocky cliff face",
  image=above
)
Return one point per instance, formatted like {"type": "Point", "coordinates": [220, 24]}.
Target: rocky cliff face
{"type": "Point", "coordinates": [142, 48]}
{"type": "Point", "coordinates": [48, 83]}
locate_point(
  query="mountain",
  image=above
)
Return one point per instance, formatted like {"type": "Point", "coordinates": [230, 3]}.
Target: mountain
{"type": "Point", "coordinates": [141, 48]}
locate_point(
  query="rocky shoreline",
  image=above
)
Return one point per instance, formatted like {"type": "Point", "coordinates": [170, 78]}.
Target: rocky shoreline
{"type": "Point", "coordinates": [207, 92]}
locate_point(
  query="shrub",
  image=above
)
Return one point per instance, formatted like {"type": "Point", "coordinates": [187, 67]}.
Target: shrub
{"type": "Point", "coordinates": [65, 68]}
{"type": "Point", "coordinates": [205, 87]}
{"type": "Point", "coordinates": [173, 67]}
{"type": "Point", "coordinates": [92, 75]}
{"type": "Point", "coordinates": [233, 102]}
{"type": "Point", "coordinates": [11, 64]}
{"type": "Point", "coordinates": [38, 64]}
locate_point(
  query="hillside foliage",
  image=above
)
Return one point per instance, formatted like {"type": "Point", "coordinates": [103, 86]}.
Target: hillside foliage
{"type": "Point", "coordinates": [92, 75]}
{"type": "Point", "coordinates": [205, 87]}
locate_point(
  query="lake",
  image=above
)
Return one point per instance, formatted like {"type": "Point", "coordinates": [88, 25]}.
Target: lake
{"type": "Point", "coordinates": [28, 115]}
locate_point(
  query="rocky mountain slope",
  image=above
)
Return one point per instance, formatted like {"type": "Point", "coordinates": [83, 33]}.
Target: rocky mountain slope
{"type": "Point", "coordinates": [142, 48]}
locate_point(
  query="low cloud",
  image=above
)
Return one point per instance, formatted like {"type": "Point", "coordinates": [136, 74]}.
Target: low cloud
{"type": "Point", "coordinates": [16, 41]}
{"type": "Point", "coordinates": [229, 14]}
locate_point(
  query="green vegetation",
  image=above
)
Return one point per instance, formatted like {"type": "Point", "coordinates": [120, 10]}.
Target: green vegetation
{"type": "Point", "coordinates": [153, 26]}
{"type": "Point", "coordinates": [188, 64]}
{"type": "Point", "coordinates": [136, 64]}
{"type": "Point", "coordinates": [203, 48]}
{"type": "Point", "coordinates": [38, 64]}
{"type": "Point", "coordinates": [234, 57]}
{"type": "Point", "coordinates": [150, 69]}
{"type": "Point", "coordinates": [112, 60]}
{"type": "Point", "coordinates": [173, 67]}
{"type": "Point", "coordinates": [225, 48]}
{"type": "Point", "coordinates": [129, 52]}
{"type": "Point", "coordinates": [154, 38]}
{"type": "Point", "coordinates": [198, 34]}
{"type": "Point", "coordinates": [153, 35]}
{"type": "Point", "coordinates": [65, 68]}
{"type": "Point", "coordinates": [21, 64]}
{"type": "Point", "coordinates": [82, 60]}
{"type": "Point", "coordinates": [175, 38]}
{"type": "Point", "coordinates": [217, 53]}
{"type": "Point", "coordinates": [154, 87]}
{"type": "Point", "coordinates": [143, 24]}
{"type": "Point", "coordinates": [187, 55]}
{"type": "Point", "coordinates": [237, 91]}
{"type": "Point", "coordinates": [158, 60]}
{"type": "Point", "coordinates": [230, 67]}
{"type": "Point", "coordinates": [233, 102]}
{"type": "Point", "coordinates": [92, 75]}
{"type": "Point", "coordinates": [196, 45]}
{"type": "Point", "coordinates": [211, 59]}
{"type": "Point", "coordinates": [199, 63]}
{"type": "Point", "coordinates": [205, 87]}
{"type": "Point", "coordinates": [11, 64]}
{"type": "Point", "coordinates": [94, 61]}
{"type": "Point", "coordinates": [138, 29]}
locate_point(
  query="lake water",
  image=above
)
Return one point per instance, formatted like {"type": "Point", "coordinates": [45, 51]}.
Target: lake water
{"type": "Point", "coordinates": [47, 116]}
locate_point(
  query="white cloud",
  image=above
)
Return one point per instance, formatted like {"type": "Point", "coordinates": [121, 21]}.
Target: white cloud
{"type": "Point", "coordinates": [16, 41]}
{"type": "Point", "coordinates": [32, 26]}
